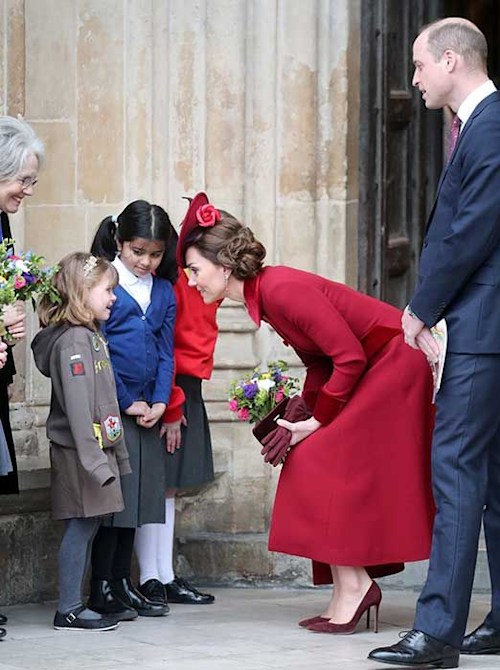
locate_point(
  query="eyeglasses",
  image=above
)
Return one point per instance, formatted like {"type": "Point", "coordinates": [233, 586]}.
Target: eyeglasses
{"type": "Point", "coordinates": [26, 182]}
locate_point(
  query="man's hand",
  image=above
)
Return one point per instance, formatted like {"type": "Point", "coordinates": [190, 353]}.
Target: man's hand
{"type": "Point", "coordinates": [428, 345]}
{"type": "Point", "coordinates": [411, 326]}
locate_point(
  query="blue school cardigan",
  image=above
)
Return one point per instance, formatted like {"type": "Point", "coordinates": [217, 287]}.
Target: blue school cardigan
{"type": "Point", "coordinates": [141, 346]}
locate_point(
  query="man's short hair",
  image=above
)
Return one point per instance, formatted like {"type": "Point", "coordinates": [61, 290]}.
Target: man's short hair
{"type": "Point", "coordinates": [462, 37]}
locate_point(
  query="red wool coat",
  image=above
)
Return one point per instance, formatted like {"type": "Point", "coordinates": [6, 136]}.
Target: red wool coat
{"type": "Point", "coordinates": [358, 490]}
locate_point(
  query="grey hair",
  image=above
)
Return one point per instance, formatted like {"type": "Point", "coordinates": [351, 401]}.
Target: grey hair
{"type": "Point", "coordinates": [17, 142]}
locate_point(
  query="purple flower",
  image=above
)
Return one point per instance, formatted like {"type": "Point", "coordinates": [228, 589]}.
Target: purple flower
{"type": "Point", "coordinates": [250, 390]}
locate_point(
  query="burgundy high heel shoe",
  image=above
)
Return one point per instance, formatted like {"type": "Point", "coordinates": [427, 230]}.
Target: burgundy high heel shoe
{"type": "Point", "coordinates": [371, 599]}
{"type": "Point", "coordinates": [305, 623]}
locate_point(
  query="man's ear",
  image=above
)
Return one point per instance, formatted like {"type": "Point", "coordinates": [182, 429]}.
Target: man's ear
{"type": "Point", "coordinates": [450, 58]}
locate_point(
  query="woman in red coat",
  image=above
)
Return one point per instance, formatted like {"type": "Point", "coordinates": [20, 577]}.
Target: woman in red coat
{"type": "Point", "coordinates": [354, 494]}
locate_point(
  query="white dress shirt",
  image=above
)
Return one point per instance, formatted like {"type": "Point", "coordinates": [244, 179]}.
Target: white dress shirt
{"type": "Point", "coordinates": [138, 287]}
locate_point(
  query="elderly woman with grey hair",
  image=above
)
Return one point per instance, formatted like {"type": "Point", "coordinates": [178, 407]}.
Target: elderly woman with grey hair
{"type": "Point", "coordinates": [21, 153]}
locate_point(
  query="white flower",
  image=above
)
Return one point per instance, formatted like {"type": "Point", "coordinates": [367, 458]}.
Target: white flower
{"type": "Point", "coordinates": [21, 265]}
{"type": "Point", "coordinates": [265, 384]}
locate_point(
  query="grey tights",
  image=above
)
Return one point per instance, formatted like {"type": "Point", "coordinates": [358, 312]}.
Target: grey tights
{"type": "Point", "coordinates": [73, 559]}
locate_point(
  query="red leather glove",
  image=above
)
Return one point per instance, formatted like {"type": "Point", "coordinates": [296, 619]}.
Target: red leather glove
{"type": "Point", "coordinates": [277, 442]}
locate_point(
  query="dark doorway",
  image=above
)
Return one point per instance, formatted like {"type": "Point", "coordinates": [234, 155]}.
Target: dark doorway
{"type": "Point", "coordinates": [400, 141]}
{"type": "Point", "coordinates": [400, 149]}
{"type": "Point", "coordinates": [486, 15]}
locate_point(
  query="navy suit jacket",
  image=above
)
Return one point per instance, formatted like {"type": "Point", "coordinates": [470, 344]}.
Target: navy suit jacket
{"type": "Point", "coordinates": [459, 273]}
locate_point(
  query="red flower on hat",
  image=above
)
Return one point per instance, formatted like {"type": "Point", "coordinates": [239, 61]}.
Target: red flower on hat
{"type": "Point", "coordinates": [207, 215]}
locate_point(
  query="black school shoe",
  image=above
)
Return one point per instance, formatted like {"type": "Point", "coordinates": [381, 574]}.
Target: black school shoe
{"type": "Point", "coordinates": [71, 621]}
{"type": "Point", "coordinates": [3, 619]}
{"type": "Point", "coordinates": [179, 591]}
{"type": "Point", "coordinates": [102, 600]}
{"type": "Point", "coordinates": [128, 595]}
{"type": "Point", "coordinates": [153, 590]}
{"type": "Point", "coordinates": [3, 633]}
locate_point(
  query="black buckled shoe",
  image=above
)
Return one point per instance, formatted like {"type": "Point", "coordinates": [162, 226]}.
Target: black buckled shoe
{"type": "Point", "coordinates": [124, 591]}
{"type": "Point", "coordinates": [102, 600]}
{"type": "Point", "coordinates": [3, 619]}
{"type": "Point", "coordinates": [417, 649]}
{"type": "Point", "coordinates": [3, 633]}
{"type": "Point", "coordinates": [179, 591]}
{"type": "Point", "coordinates": [72, 621]}
{"type": "Point", "coordinates": [483, 640]}
{"type": "Point", "coordinates": [153, 590]}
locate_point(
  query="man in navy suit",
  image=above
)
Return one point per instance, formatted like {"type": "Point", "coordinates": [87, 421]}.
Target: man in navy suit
{"type": "Point", "coordinates": [459, 280]}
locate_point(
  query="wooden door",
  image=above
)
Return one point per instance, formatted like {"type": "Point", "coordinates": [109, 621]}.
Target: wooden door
{"type": "Point", "coordinates": [400, 149]}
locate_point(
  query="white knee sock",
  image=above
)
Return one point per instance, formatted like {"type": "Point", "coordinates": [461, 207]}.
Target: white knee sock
{"type": "Point", "coordinates": [145, 545]}
{"type": "Point", "coordinates": [166, 543]}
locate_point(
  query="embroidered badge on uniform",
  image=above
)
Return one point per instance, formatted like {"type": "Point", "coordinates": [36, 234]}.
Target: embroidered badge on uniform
{"type": "Point", "coordinates": [96, 342]}
{"type": "Point", "coordinates": [77, 368]}
{"type": "Point", "coordinates": [113, 427]}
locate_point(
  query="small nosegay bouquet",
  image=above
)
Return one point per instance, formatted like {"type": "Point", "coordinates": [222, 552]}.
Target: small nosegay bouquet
{"type": "Point", "coordinates": [23, 276]}
{"type": "Point", "coordinates": [252, 398]}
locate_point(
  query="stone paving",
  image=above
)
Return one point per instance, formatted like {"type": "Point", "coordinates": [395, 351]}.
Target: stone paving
{"type": "Point", "coordinates": [250, 629]}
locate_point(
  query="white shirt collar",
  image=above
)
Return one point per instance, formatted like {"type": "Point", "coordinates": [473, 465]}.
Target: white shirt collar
{"type": "Point", "coordinates": [470, 103]}
{"type": "Point", "coordinates": [127, 278]}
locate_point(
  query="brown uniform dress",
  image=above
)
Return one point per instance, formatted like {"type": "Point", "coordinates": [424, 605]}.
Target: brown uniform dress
{"type": "Point", "coordinates": [87, 446]}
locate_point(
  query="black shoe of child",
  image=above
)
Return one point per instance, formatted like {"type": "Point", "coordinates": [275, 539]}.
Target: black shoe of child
{"type": "Point", "coordinates": [128, 595]}
{"type": "Point", "coordinates": [179, 591]}
{"type": "Point", "coordinates": [71, 621]}
{"type": "Point", "coordinates": [3, 619]}
{"type": "Point", "coordinates": [153, 590]}
{"type": "Point", "coordinates": [3, 633]}
{"type": "Point", "coordinates": [102, 600]}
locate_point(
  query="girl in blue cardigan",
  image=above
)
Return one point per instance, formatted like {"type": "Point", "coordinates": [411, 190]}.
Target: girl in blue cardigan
{"type": "Point", "coordinates": [140, 242]}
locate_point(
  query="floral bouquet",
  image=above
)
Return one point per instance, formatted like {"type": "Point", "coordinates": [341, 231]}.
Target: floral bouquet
{"type": "Point", "coordinates": [252, 398]}
{"type": "Point", "coordinates": [22, 277]}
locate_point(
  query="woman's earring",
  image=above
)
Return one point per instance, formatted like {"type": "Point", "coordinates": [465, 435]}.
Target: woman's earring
{"type": "Point", "coordinates": [226, 279]}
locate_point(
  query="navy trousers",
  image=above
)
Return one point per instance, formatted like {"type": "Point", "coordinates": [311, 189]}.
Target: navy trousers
{"type": "Point", "coordinates": [466, 484]}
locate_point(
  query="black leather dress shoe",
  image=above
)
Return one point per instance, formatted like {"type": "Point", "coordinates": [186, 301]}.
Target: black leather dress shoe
{"type": "Point", "coordinates": [124, 591]}
{"type": "Point", "coordinates": [3, 633]}
{"type": "Point", "coordinates": [179, 591]}
{"type": "Point", "coordinates": [102, 600]}
{"type": "Point", "coordinates": [153, 590]}
{"type": "Point", "coordinates": [418, 649]}
{"type": "Point", "coordinates": [483, 640]}
{"type": "Point", "coordinates": [3, 619]}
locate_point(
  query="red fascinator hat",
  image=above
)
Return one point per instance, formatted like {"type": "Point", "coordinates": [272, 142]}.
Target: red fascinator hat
{"type": "Point", "coordinates": [200, 214]}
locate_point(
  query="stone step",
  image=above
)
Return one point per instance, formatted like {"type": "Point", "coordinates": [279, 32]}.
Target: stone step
{"type": "Point", "coordinates": [243, 559]}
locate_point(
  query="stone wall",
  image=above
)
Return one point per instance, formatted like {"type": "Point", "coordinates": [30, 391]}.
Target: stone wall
{"type": "Point", "coordinates": [255, 101]}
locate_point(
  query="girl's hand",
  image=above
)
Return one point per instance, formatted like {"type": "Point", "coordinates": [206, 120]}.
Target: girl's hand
{"type": "Point", "coordinates": [137, 408]}
{"type": "Point", "coordinates": [152, 416]}
{"type": "Point", "coordinates": [301, 429]}
{"type": "Point", "coordinates": [14, 319]}
{"type": "Point", "coordinates": [172, 431]}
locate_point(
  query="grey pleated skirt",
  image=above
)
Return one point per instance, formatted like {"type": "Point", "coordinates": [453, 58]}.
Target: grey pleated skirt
{"type": "Point", "coordinates": [144, 489]}
{"type": "Point", "coordinates": [192, 465]}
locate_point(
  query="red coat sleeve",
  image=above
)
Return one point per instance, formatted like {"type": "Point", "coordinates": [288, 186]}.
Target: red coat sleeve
{"type": "Point", "coordinates": [310, 322]}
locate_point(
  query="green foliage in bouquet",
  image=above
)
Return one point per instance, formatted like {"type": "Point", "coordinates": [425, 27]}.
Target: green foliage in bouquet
{"type": "Point", "coordinates": [254, 397]}
{"type": "Point", "coordinates": [25, 276]}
